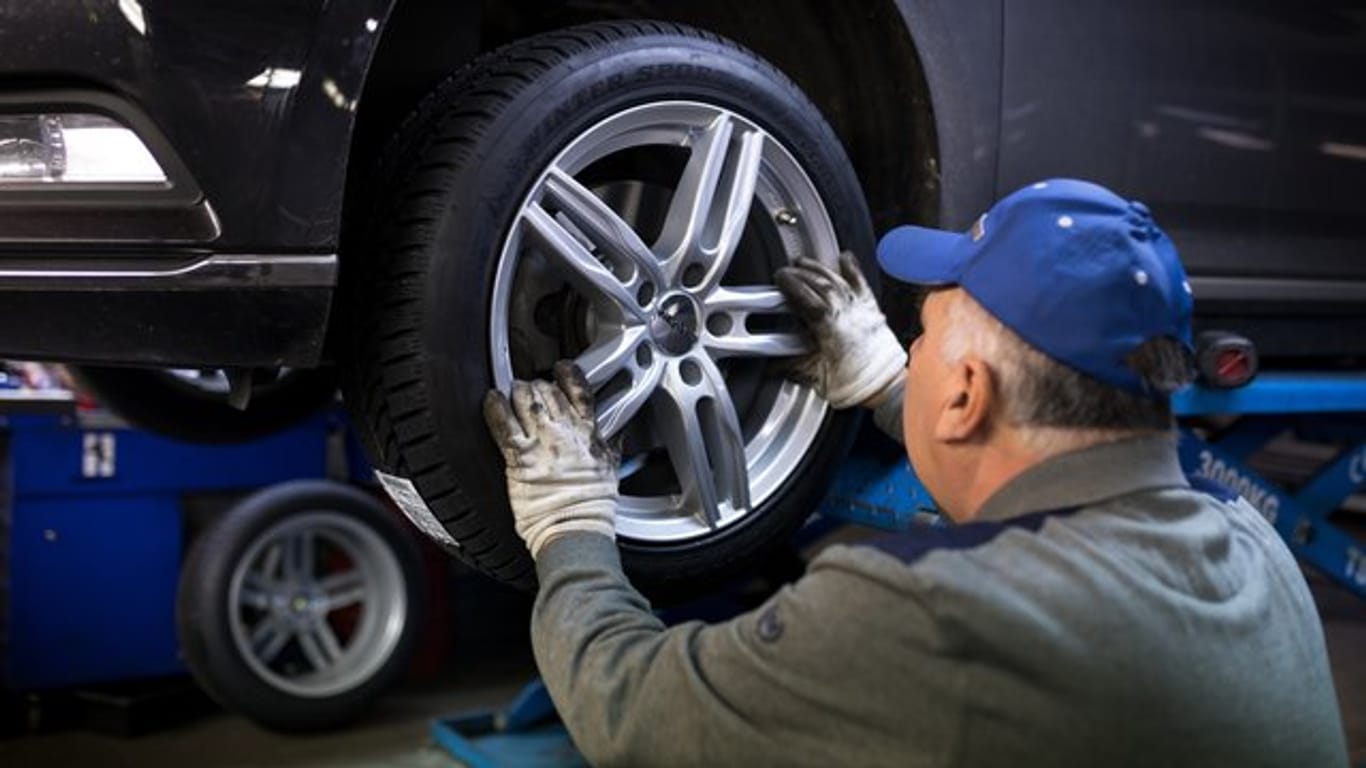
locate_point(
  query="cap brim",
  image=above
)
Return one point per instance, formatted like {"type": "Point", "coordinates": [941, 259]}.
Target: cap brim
{"type": "Point", "coordinates": [923, 256]}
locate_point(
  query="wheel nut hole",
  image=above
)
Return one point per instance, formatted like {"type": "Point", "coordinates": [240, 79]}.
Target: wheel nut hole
{"type": "Point", "coordinates": [645, 294]}
{"type": "Point", "coordinates": [691, 373]}
{"type": "Point", "coordinates": [644, 356]}
{"type": "Point", "coordinates": [693, 274]}
{"type": "Point", "coordinates": [720, 324]}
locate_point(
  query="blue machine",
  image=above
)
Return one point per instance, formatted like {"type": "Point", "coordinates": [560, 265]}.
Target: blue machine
{"type": "Point", "coordinates": [95, 534]}
{"type": "Point", "coordinates": [880, 490]}
{"type": "Point", "coordinates": [1327, 407]}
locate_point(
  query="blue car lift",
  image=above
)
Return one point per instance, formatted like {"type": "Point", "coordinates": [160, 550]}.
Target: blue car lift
{"type": "Point", "coordinates": [878, 489]}
{"type": "Point", "coordinates": [92, 531]}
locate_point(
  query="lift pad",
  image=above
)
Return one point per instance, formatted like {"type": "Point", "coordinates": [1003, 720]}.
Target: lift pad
{"type": "Point", "coordinates": [526, 734]}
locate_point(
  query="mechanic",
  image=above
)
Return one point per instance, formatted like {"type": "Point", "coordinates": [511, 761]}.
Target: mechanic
{"type": "Point", "coordinates": [1089, 606]}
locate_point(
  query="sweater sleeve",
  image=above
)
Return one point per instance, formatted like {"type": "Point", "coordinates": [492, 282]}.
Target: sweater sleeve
{"type": "Point", "coordinates": [794, 682]}
{"type": "Point", "coordinates": [887, 416]}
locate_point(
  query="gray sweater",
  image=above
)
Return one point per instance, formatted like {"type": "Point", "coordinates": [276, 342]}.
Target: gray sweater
{"type": "Point", "coordinates": [1102, 612]}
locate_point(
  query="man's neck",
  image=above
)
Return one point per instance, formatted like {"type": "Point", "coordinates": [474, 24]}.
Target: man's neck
{"type": "Point", "coordinates": [1013, 451]}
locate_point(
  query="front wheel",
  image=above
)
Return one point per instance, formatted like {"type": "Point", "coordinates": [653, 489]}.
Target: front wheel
{"type": "Point", "coordinates": [618, 194]}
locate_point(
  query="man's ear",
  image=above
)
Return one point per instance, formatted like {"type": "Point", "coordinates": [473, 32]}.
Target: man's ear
{"type": "Point", "coordinates": [969, 396]}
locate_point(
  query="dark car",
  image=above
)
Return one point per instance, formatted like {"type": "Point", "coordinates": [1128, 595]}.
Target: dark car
{"type": "Point", "coordinates": [437, 197]}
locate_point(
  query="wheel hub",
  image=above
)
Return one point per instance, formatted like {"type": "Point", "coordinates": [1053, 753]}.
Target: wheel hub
{"type": "Point", "coordinates": [674, 326]}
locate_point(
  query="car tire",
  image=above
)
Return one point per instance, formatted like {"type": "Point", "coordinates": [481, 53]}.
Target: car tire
{"type": "Point", "coordinates": [182, 406]}
{"type": "Point", "coordinates": [301, 605]}
{"type": "Point", "coordinates": [453, 291]}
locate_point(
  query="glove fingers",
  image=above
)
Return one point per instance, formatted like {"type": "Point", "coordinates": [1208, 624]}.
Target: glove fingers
{"type": "Point", "coordinates": [824, 275]}
{"type": "Point", "coordinates": [550, 400]}
{"type": "Point", "coordinates": [525, 406]}
{"type": "Point", "coordinates": [852, 274]}
{"type": "Point", "coordinates": [804, 370]}
{"type": "Point", "coordinates": [811, 306]}
{"type": "Point", "coordinates": [502, 423]}
{"type": "Point", "coordinates": [576, 388]}
{"type": "Point", "coordinates": [827, 281]}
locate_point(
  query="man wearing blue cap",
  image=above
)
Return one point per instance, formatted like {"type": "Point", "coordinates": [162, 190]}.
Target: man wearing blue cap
{"type": "Point", "coordinates": [1090, 607]}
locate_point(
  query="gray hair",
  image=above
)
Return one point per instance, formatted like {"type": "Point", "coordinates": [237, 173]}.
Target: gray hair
{"type": "Point", "coordinates": [1054, 406]}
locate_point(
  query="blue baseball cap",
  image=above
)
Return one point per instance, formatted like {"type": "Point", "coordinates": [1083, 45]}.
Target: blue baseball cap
{"type": "Point", "coordinates": [1078, 272]}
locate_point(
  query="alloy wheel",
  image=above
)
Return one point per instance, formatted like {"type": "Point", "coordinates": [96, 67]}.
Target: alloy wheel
{"type": "Point", "coordinates": [658, 284]}
{"type": "Point", "coordinates": [317, 604]}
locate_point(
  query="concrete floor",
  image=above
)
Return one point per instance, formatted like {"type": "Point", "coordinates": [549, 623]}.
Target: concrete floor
{"type": "Point", "coordinates": [487, 670]}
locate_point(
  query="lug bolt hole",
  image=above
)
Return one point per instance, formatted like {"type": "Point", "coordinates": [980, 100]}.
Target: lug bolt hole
{"type": "Point", "coordinates": [645, 294]}
{"type": "Point", "coordinates": [693, 274]}
{"type": "Point", "coordinates": [691, 373]}
{"type": "Point", "coordinates": [720, 324]}
{"type": "Point", "coordinates": [644, 356]}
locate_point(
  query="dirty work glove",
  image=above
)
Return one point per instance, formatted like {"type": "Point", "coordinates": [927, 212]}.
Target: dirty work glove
{"type": "Point", "coordinates": [561, 475]}
{"type": "Point", "coordinates": [858, 359]}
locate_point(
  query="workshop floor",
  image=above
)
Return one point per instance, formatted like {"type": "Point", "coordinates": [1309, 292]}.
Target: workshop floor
{"type": "Point", "coordinates": [396, 735]}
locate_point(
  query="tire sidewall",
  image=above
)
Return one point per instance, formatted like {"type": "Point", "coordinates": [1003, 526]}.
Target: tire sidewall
{"type": "Point", "coordinates": [204, 621]}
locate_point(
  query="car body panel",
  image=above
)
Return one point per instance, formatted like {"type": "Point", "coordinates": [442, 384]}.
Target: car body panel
{"type": "Point", "coordinates": [245, 91]}
{"type": "Point", "coordinates": [960, 45]}
{"type": "Point", "coordinates": [1242, 123]}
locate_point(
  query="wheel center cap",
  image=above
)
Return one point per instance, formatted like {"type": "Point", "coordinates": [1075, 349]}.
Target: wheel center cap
{"type": "Point", "coordinates": [674, 326]}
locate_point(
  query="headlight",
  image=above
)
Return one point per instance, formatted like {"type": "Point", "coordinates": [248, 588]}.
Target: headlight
{"type": "Point", "coordinates": [73, 148]}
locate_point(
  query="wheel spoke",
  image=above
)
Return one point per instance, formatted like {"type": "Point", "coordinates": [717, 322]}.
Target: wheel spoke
{"type": "Point", "coordinates": [254, 596]}
{"type": "Point", "coordinates": [741, 342]}
{"type": "Point", "coordinates": [738, 303]}
{"type": "Point", "coordinates": [701, 432]}
{"type": "Point", "coordinates": [312, 647]}
{"type": "Point", "coordinates": [711, 204]}
{"type": "Point", "coordinates": [299, 557]}
{"type": "Point", "coordinates": [269, 638]}
{"type": "Point", "coordinates": [747, 298]}
{"type": "Point", "coordinates": [270, 564]}
{"type": "Point", "coordinates": [604, 228]}
{"type": "Point", "coordinates": [608, 357]}
{"type": "Point", "coordinates": [617, 410]}
{"type": "Point", "coordinates": [589, 275]}
{"type": "Point", "coordinates": [343, 589]}
{"type": "Point", "coordinates": [327, 639]}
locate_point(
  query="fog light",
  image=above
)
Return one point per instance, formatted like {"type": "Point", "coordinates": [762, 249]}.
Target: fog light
{"type": "Point", "coordinates": [73, 149]}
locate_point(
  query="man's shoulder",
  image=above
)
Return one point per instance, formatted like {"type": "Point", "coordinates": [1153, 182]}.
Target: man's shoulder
{"type": "Point", "coordinates": [909, 547]}
{"type": "Point", "coordinates": [949, 560]}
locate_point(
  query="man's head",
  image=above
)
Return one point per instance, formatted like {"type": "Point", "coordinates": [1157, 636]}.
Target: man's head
{"type": "Point", "coordinates": [1061, 319]}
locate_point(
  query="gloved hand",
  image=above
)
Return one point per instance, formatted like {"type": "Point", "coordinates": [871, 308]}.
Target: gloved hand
{"type": "Point", "coordinates": [561, 475]}
{"type": "Point", "coordinates": [858, 360]}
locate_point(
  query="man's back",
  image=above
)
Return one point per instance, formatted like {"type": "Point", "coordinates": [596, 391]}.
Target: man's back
{"type": "Point", "coordinates": [1119, 633]}
{"type": "Point", "coordinates": [1111, 628]}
